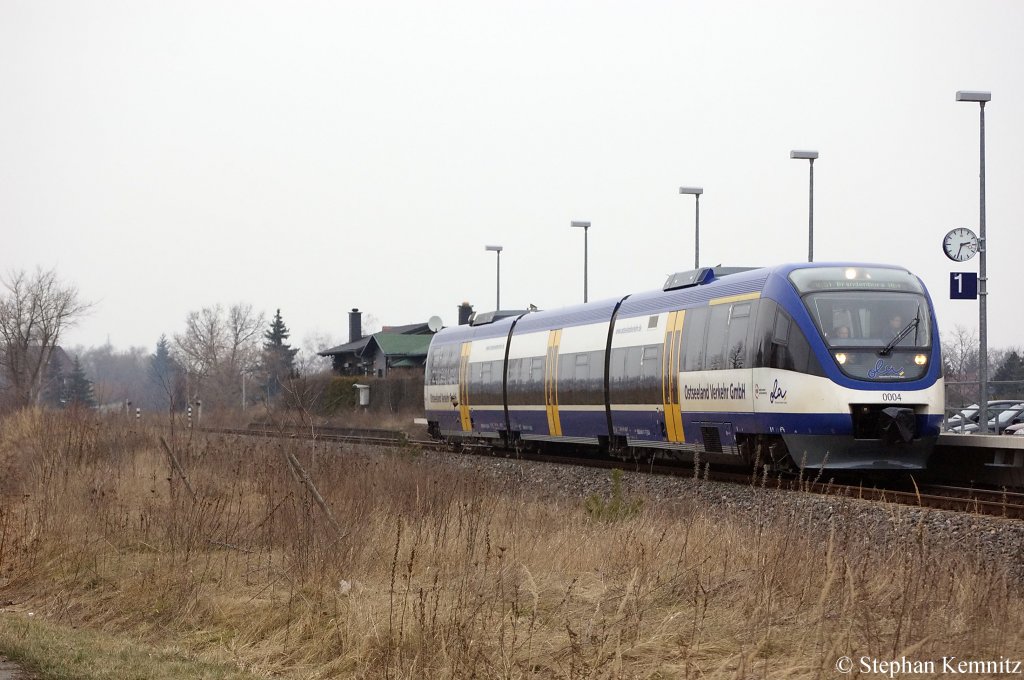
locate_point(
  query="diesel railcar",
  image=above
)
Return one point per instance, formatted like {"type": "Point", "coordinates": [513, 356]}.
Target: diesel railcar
{"type": "Point", "coordinates": [820, 366]}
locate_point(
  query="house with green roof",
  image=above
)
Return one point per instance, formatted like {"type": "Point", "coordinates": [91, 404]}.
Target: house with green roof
{"type": "Point", "coordinates": [377, 354]}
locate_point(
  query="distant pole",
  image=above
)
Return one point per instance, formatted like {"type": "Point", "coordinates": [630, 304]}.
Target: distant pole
{"type": "Point", "coordinates": [497, 249]}
{"type": "Point", "coordinates": [810, 156]}
{"type": "Point", "coordinates": [981, 98]}
{"type": "Point", "coordinates": [586, 227]}
{"type": "Point", "coordinates": [695, 192]}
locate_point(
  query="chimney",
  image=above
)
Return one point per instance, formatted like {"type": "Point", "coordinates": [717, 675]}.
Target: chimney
{"type": "Point", "coordinates": [355, 325]}
{"type": "Point", "coordinates": [465, 311]}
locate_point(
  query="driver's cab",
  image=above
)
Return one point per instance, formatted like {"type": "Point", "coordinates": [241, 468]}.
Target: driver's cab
{"type": "Point", "coordinates": [875, 320]}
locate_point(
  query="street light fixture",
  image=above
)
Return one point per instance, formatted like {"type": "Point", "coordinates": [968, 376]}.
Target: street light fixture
{"type": "Point", "coordinates": [586, 227]}
{"type": "Point", "coordinates": [981, 98]}
{"type": "Point", "coordinates": [497, 249]}
{"type": "Point", "coordinates": [695, 192]}
{"type": "Point", "coordinates": [808, 156]}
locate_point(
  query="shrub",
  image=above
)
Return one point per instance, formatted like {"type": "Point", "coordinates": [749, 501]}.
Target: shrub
{"type": "Point", "coordinates": [615, 508]}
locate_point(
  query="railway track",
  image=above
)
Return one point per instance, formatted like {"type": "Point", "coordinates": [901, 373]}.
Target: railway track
{"type": "Point", "coordinates": [998, 503]}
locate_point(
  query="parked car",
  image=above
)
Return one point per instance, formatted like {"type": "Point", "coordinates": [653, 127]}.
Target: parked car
{"type": "Point", "coordinates": [1008, 416]}
{"type": "Point", "coordinates": [1015, 429]}
{"type": "Point", "coordinates": [969, 415]}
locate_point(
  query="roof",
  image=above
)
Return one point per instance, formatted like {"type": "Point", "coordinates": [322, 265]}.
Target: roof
{"type": "Point", "coordinates": [399, 344]}
{"type": "Point", "coordinates": [354, 347]}
{"type": "Point", "coordinates": [357, 347]}
{"type": "Point", "coordinates": [409, 329]}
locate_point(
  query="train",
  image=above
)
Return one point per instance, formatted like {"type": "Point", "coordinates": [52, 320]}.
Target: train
{"type": "Point", "coordinates": [827, 366]}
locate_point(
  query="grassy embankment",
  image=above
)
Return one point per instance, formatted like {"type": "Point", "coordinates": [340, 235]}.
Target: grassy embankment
{"type": "Point", "coordinates": [427, 571]}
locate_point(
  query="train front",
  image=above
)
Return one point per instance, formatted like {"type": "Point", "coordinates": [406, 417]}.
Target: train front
{"type": "Point", "coordinates": [875, 338]}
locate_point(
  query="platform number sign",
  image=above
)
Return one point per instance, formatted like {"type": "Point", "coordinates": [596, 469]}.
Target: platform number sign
{"type": "Point", "coordinates": [963, 286]}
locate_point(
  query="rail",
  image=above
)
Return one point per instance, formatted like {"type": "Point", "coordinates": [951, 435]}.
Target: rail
{"type": "Point", "coordinates": [927, 494]}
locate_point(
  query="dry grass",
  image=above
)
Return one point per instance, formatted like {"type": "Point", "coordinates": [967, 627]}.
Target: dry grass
{"type": "Point", "coordinates": [446, 573]}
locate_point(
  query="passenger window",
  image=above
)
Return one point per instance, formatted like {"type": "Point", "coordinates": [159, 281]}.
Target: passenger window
{"type": "Point", "coordinates": [694, 325]}
{"type": "Point", "coordinates": [633, 355]}
{"type": "Point", "coordinates": [739, 324]}
{"type": "Point", "coordinates": [803, 357]}
{"type": "Point", "coordinates": [537, 369]}
{"type": "Point", "coordinates": [779, 342]}
{"type": "Point", "coordinates": [781, 334]}
{"type": "Point", "coordinates": [617, 365]}
{"type": "Point", "coordinates": [515, 367]}
{"type": "Point", "coordinates": [763, 331]}
{"type": "Point", "coordinates": [718, 327]}
{"type": "Point", "coordinates": [582, 366]}
{"type": "Point", "coordinates": [650, 361]}
{"type": "Point", "coordinates": [799, 351]}
{"type": "Point", "coordinates": [780, 356]}
{"type": "Point", "coordinates": [525, 385]}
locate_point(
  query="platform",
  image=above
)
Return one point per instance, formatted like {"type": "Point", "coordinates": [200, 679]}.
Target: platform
{"type": "Point", "coordinates": [990, 460]}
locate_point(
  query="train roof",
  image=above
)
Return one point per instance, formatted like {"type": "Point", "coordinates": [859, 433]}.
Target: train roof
{"type": "Point", "coordinates": [683, 289]}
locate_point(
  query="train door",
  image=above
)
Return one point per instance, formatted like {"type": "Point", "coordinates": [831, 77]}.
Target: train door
{"type": "Point", "coordinates": [551, 383]}
{"type": "Point", "coordinates": [671, 359]}
{"type": "Point", "coordinates": [464, 416]}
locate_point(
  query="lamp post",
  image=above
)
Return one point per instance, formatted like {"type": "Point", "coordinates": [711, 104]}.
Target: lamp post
{"type": "Point", "coordinates": [695, 192]}
{"type": "Point", "coordinates": [981, 98]}
{"type": "Point", "coordinates": [497, 249]}
{"type": "Point", "coordinates": [809, 156]}
{"type": "Point", "coordinates": [586, 227]}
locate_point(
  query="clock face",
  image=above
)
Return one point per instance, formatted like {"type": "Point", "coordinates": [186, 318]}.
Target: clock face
{"type": "Point", "coordinates": [960, 244]}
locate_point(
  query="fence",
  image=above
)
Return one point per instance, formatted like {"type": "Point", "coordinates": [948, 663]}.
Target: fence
{"type": "Point", "coordinates": [963, 394]}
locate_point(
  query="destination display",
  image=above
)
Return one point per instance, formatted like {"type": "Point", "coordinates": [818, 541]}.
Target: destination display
{"type": "Point", "coordinates": [854, 278]}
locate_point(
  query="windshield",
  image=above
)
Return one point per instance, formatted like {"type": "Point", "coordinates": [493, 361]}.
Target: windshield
{"type": "Point", "coordinates": [1007, 415]}
{"type": "Point", "coordinates": [871, 319]}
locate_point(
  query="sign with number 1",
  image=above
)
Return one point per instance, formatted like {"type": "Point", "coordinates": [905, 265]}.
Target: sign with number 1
{"type": "Point", "coordinates": [963, 286]}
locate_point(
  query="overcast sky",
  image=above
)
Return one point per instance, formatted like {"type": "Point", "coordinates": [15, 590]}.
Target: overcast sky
{"type": "Point", "coordinates": [319, 156]}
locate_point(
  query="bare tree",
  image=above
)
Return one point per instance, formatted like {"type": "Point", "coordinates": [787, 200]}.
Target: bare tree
{"type": "Point", "coordinates": [200, 346]}
{"type": "Point", "coordinates": [35, 309]}
{"type": "Point", "coordinates": [960, 350]}
{"type": "Point", "coordinates": [308, 361]}
{"type": "Point", "coordinates": [244, 327]}
{"type": "Point", "coordinates": [217, 348]}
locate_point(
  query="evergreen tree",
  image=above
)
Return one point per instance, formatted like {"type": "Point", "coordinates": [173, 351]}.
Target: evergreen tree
{"type": "Point", "coordinates": [78, 387]}
{"type": "Point", "coordinates": [166, 375]}
{"type": "Point", "coordinates": [278, 357]}
{"type": "Point", "coordinates": [55, 391]}
{"type": "Point", "coordinates": [1012, 368]}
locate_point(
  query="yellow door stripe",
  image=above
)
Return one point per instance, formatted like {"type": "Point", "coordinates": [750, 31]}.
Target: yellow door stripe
{"type": "Point", "coordinates": [735, 298]}
{"type": "Point", "coordinates": [666, 372]}
{"type": "Point", "coordinates": [670, 376]}
{"type": "Point", "coordinates": [551, 383]}
{"type": "Point", "coordinates": [467, 423]}
{"type": "Point", "coordinates": [677, 415]}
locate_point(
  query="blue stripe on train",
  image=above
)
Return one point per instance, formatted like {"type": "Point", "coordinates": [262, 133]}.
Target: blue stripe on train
{"type": "Point", "coordinates": [650, 425]}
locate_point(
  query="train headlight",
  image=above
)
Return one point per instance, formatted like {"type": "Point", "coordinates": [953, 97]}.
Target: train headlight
{"type": "Point", "coordinates": [850, 274]}
{"type": "Point", "coordinates": [921, 359]}
{"type": "Point", "coordinates": [841, 358]}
